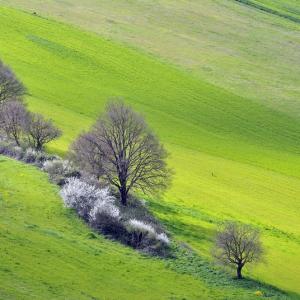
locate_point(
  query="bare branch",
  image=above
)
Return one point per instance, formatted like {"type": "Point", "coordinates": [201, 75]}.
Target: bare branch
{"type": "Point", "coordinates": [10, 87]}
{"type": "Point", "coordinates": [40, 131]}
{"type": "Point", "coordinates": [13, 120]}
{"type": "Point", "coordinates": [121, 148]}
{"type": "Point", "coordinates": [238, 244]}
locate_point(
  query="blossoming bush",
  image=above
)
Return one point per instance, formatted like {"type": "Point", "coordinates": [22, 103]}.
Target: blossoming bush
{"type": "Point", "coordinates": [80, 196]}
{"type": "Point", "coordinates": [133, 225]}
{"type": "Point", "coordinates": [105, 217]}
{"type": "Point", "coordinates": [141, 227]}
{"type": "Point", "coordinates": [145, 237]}
{"type": "Point", "coordinates": [59, 170]}
{"type": "Point", "coordinates": [38, 158]}
{"type": "Point", "coordinates": [98, 207]}
{"type": "Point", "coordinates": [105, 205]}
{"type": "Point", "coordinates": [162, 237]}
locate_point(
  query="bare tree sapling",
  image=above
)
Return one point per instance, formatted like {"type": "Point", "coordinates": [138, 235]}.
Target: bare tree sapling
{"type": "Point", "coordinates": [237, 245]}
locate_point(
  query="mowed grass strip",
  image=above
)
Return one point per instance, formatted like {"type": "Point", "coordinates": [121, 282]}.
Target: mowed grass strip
{"type": "Point", "coordinates": [241, 48]}
{"type": "Point", "coordinates": [234, 158]}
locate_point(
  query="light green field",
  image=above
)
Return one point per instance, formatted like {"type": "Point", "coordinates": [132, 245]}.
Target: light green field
{"type": "Point", "coordinates": [234, 158]}
{"type": "Point", "coordinates": [289, 9]}
{"type": "Point", "coordinates": [46, 252]}
{"type": "Point", "coordinates": [243, 49]}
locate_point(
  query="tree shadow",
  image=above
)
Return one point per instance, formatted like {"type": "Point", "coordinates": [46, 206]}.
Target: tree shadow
{"type": "Point", "coordinates": [187, 261]}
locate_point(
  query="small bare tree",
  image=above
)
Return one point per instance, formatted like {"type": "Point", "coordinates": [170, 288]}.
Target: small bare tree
{"type": "Point", "coordinates": [40, 131]}
{"type": "Point", "coordinates": [13, 120]}
{"type": "Point", "coordinates": [125, 152]}
{"type": "Point", "coordinates": [10, 87]}
{"type": "Point", "coordinates": [238, 244]}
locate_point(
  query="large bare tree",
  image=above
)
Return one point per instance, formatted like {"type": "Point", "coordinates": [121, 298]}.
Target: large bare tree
{"type": "Point", "coordinates": [238, 244]}
{"type": "Point", "coordinates": [13, 120]}
{"type": "Point", "coordinates": [87, 155]}
{"type": "Point", "coordinates": [124, 151]}
{"type": "Point", "coordinates": [10, 87]}
{"type": "Point", "coordinates": [40, 131]}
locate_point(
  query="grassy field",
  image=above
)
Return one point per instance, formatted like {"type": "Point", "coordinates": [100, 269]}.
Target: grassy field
{"type": "Point", "coordinates": [286, 9]}
{"type": "Point", "coordinates": [48, 253]}
{"type": "Point", "coordinates": [234, 158]}
{"type": "Point", "coordinates": [234, 45]}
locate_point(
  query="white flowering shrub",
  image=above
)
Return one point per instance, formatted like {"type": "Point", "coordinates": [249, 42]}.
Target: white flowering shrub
{"type": "Point", "coordinates": [58, 170]}
{"type": "Point", "coordinates": [80, 196]}
{"type": "Point", "coordinates": [57, 166]}
{"type": "Point", "coordinates": [162, 237]}
{"type": "Point", "coordinates": [30, 155]}
{"type": "Point", "coordinates": [104, 208]}
{"type": "Point", "coordinates": [143, 235]}
{"type": "Point", "coordinates": [132, 225]}
{"type": "Point", "coordinates": [105, 216]}
{"type": "Point", "coordinates": [140, 227]}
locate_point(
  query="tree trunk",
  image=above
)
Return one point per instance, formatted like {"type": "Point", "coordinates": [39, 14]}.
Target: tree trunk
{"type": "Point", "coordinates": [123, 195]}
{"type": "Point", "coordinates": [39, 146]}
{"type": "Point", "coordinates": [17, 141]}
{"type": "Point", "coordinates": [239, 271]}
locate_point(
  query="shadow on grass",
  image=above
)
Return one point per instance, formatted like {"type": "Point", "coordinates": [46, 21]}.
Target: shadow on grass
{"type": "Point", "coordinates": [172, 215]}
{"type": "Point", "coordinates": [186, 261]}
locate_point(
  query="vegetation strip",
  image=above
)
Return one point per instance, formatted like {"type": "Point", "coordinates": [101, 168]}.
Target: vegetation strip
{"type": "Point", "coordinates": [269, 10]}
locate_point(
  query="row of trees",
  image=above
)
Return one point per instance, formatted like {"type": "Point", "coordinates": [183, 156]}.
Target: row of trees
{"type": "Point", "coordinates": [26, 127]}
{"type": "Point", "coordinates": [16, 122]}
{"type": "Point", "coordinates": [120, 149]}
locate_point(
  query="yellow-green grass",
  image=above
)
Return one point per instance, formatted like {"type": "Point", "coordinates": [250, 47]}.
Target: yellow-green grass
{"type": "Point", "coordinates": [234, 158]}
{"type": "Point", "coordinates": [48, 253]}
{"type": "Point", "coordinates": [236, 46]}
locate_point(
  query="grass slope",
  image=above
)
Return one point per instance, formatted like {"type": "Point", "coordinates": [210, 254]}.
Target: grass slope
{"type": "Point", "coordinates": [285, 9]}
{"type": "Point", "coordinates": [233, 158]}
{"type": "Point", "coordinates": [247, 49]}
{"type": "Point", "coordinates": [47, 253]}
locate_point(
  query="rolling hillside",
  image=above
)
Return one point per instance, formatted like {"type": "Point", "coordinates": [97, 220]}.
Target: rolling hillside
{"type": "Point", "coordinates": [249, 47]}
{"type": "Point", "coordinates": [234, 157]}
{"type": "Point", "coordinates": [47, 253]}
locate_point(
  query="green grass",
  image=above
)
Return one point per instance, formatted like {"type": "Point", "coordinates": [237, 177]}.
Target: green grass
{"type": "Point", "coordinates": [243, 49]}
{"type": "Point", "coordinates": [285, 9]}
{"type": "Point", "coordinates": [48, 253]}
{"type": "Point", "coordinates": [234, 158]}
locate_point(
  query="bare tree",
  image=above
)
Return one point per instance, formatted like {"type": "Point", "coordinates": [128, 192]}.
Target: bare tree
{"type": "Point", "coordinates": [87, 156]}
{"type": "Point", "coordinates": [10, 87]}
{"type": "Point", "coordinates": [40, 131]}
{"type": "Point", "coordinates": [238, 244]}
{"type": "Point", "coordinates": [126, 152]}
{"type": "Point", "coordinates": [13, 120]}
